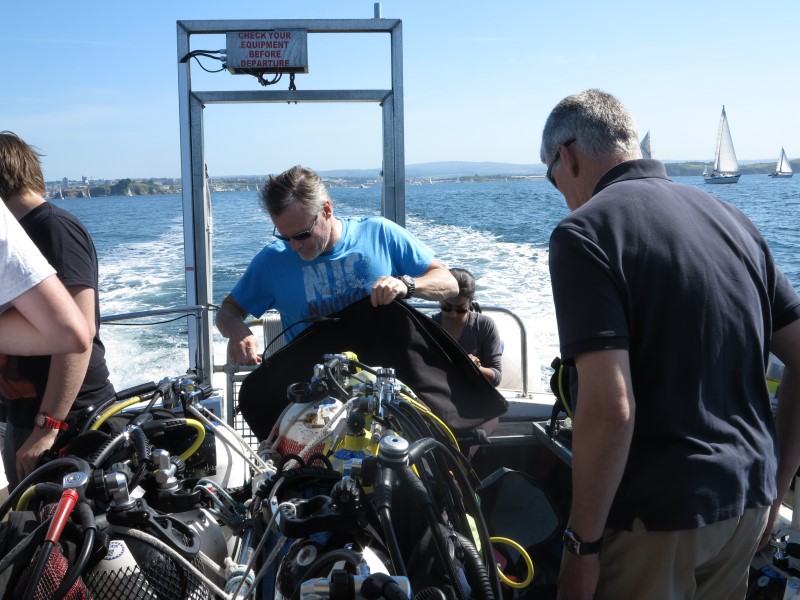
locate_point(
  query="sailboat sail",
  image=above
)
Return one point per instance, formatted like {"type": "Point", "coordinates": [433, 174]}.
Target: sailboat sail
{"type": "Point", "coordinates": [647, 152]}
{"type": "Point", "coordinates": [783, 168]}
{"type": "Point", "coordinates": [726, 167]}
{"type": "Point", "coordinates": [725, 159]}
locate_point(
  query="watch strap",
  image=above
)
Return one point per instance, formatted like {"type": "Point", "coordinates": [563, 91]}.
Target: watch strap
{"type": "Point", "coordinates": [45, 421]}
{"type": "Point", "coordinates": [410, 285]}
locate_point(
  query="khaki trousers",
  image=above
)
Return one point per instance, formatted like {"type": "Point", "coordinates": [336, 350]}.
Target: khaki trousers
{"type": "Point", "coordinates": [708, 563]}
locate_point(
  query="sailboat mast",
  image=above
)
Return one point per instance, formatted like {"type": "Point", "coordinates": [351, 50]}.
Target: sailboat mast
{"type": "Point", "coordinates": [719, 139]}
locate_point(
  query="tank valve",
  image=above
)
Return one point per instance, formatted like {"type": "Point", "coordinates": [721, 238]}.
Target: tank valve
{"type": "Point", "coordinates": [165, 476]}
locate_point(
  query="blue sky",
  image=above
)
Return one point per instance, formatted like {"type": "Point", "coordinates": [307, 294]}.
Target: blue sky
{"type": "Point", "coordinates": [94, 84]}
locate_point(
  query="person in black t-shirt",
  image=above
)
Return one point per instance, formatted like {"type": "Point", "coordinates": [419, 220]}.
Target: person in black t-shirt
{"type": "Point", "coordinates": [40, 391]}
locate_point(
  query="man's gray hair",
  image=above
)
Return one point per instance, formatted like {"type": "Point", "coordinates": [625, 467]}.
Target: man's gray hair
{"type": "Point", "coordinates": [298, 184]}
{"type": "Point", "coordinates": [599, 123]}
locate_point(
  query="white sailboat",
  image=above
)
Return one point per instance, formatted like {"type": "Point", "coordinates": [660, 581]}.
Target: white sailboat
{"type": "Point", "coordinates": [644, 145]}
{"type": "Point", "coordinates": [783, 168]}
{"type": "Point", "coordinates": [726, 167]}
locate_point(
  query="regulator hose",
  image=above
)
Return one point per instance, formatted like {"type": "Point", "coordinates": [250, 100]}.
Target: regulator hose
{"type": "Point", "coordinates": [108, 448]}
{"type": "Point", "coordinates": [140, 444]}
{"type": "Point", "coordinates": [67, 461]}
{"type": "Point", "coordinates": [430, 593]}
{"type": "Point", "coordinates": [34, 536]}
{"type": "Point", "coordinates": [412, 482]}
{"type": "Point", "coordinates": [40, 489]}
{"type": "Point", "coordinates": [381, 585]}
{"type": "Point", "coordinates": [201, 435]}
{"type": "Point", "coordinates": [112, 410]}
{"type": "Point", "coordinates": [138, 390]}
{"type": "Point", "coordinates": [382, 499]}
{"type": "Point", "coordinates": [415, 452]}
{"type": "Point", "coordinates": [474, 564]}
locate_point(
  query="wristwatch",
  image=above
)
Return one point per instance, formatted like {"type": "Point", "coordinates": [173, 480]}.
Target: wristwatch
{"type": "Point", "coordinates": [578, 547]}
{"type": "Point", "coordinates": [43, 421]}
{"type": "Point", "coordinates": [409, 281]}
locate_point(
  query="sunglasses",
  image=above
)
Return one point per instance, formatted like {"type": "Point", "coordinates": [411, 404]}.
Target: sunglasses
{"type": "Point", "coordinates": [303, 235]}
{"type": "Point", "coordinates": [549, 173]}
{"type": "Point", "coordinates": [460, 310]}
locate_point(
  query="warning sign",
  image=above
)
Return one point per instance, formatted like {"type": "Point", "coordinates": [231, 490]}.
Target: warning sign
{"type": "Point", "coordinates": [273, 51]}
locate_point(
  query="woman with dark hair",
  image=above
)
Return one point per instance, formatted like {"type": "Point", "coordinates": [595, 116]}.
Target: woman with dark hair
{"type": "Point", "coordinates": [475, 332]}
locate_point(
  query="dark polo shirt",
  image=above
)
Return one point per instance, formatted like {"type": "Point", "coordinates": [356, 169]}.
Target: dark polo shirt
{"type": "Point", "coordinates": [688, 286]}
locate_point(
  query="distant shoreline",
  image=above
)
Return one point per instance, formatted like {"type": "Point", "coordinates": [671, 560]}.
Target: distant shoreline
{"type": "Point", "coordinates": [416, 174]}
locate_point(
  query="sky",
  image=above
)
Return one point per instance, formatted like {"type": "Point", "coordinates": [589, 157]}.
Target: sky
{"type": "Point", "coordinates": [94, 85]}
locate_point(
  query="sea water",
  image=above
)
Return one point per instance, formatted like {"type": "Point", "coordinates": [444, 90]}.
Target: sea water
{"type": "Point", "coordinates": [497, 230]}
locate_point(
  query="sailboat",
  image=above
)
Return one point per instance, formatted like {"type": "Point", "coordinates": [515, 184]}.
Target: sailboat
{"type": "Point", "coordinates": [644, 145]}
{"type": "Point", "coordinates": [783, 168]}
{"type": "Point", "coordinates": [726, 167]}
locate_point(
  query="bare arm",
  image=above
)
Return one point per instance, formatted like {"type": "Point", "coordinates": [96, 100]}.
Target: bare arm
{"type": "Point", "coordinates": [491, 349]}
{"type": "Point", "coordinates": [487, 372]}
{"type": "Point", "coordinates": [64, 380]}
{"type": "Point", "coordinates": [786, 346]}
{"type": "Point", "coordinates": [242, 344]}
{"type": "Point", "coordinates": [602, 432]}
{"type": "Point", "coordinates": [44, 320]}
{"type": "Point", "coordinates": [435, 284]}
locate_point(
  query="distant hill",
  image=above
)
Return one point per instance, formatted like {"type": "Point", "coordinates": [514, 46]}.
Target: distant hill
{"type": "Point", "coordinates": [451, 169]}
{"type": "Point", "coordinates": [457, 169]}
{"type": "Point", "coordinates": [444, 169]}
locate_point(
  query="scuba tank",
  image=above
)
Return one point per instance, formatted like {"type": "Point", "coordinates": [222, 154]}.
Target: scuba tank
{"type": "Point", "coordinates": [310, 410]}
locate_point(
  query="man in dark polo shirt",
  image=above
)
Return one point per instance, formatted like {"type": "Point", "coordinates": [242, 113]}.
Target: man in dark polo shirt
{"type": "Point", "coordinates": [668, 302]}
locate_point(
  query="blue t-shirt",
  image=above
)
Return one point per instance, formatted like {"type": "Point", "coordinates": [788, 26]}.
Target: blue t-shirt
{"type": "Point", "coordinates": [369, 247]}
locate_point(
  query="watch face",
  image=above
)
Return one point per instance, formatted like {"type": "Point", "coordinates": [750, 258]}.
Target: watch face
{"type": "Point", "coordinates": [570, 542]}
{"type": "Point", "coordinates": [409, 281]}
{"type": "Point", "coordinates": [39, 421]}
{"type": "Point", "coordinates": [575, 546]}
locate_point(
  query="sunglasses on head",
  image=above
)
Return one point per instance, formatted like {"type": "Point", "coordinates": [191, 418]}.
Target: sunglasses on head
{"type": "Point", "coordinates": [303, 235]}
{"type": "Point", "coordinates": [459, 309]}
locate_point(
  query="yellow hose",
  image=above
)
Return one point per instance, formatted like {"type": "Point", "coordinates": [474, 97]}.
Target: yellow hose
{"type": "Point", "coordinates": [201, 435]}
{"type": "Point", "coordinates": [528, 563]}
{"type": "Point", "coordinates": [561, 391]}
{"type": "Point", "coordinates": [117, 407]}
{"type": "Point", "coordinates": [114, 409]}
{"type": "Point", "coordinates": [427, 412]}
{"type": "Point", "coordinates": [22, 503]}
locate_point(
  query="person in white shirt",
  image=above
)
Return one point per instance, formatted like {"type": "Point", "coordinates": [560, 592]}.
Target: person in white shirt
{"type": "Point", "coordinates": [37, 314]}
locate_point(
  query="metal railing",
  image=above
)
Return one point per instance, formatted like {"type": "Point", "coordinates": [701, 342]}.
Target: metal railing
{"type": "Point", "coordinates": [515, 364]}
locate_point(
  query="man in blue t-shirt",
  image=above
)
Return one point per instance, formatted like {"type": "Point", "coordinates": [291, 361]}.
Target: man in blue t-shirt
{"type": "Point", "coordinates": [321, 263]}
{"type": "Point", "coordinates": [668, 302]}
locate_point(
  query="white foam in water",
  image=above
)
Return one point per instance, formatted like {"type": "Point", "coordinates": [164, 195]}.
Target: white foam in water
{"type": "Point", "coordinates": [513, 274]}
{"type": "Point", "coordinates": [143, 276]}
{"type": "Point", "coordinates": [137, 277]}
